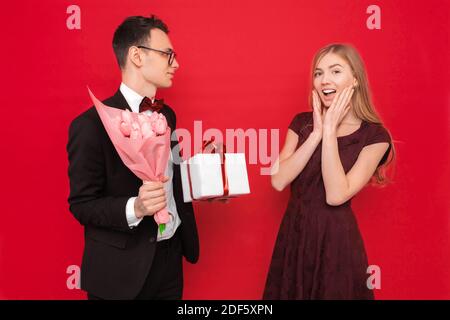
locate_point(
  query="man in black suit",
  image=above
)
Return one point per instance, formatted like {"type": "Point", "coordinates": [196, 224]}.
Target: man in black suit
{"type": "Point", "coordinates": [125, 256]}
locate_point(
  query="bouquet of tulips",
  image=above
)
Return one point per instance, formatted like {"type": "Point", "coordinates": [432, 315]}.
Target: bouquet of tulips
{"type": "Point", "coordinates": [142, 142]}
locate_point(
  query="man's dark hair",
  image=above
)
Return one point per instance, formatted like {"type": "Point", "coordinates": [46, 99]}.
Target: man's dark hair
{"type": "Point", "coordinates": [134, 31]}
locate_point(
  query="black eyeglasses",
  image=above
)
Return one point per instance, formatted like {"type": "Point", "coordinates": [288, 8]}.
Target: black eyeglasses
{"type": "Point", "coordinates": [172, 55]}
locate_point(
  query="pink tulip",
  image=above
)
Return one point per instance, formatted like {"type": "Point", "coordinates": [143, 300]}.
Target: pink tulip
{"type": "Point", "coordinates": [142, 118]}
{"type": "Point", "coordinates": [134, 135]}
{"type": "Point", "coordinates": [125, 128]}
{"type": "Point", "coordinates": [154, 116]}
{"type": "Point", "coordinates": [147, 131]}
{"type": "Point", "coordinates": [162, 217]}
{"type": "Point", "coordinates": [135, 131]}
{"type": "Point", "coordinates": [126, 116]}
{"type": "Point", "coordinates": [160, 126]}
{"type": "Point", "coordinates": [135, 126]}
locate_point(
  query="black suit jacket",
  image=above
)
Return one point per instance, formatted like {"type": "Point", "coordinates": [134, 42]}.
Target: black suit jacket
{"type": "Point", "coordinates": [116, 259]}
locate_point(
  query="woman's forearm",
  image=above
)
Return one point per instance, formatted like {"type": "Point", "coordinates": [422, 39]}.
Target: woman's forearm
{"type": "Point", "coordinates": [334, 177]}
{"type": "Point", "coordinates": [288, 169]}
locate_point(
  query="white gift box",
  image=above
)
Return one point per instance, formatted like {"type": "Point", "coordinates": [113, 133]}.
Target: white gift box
{"type": "Point", "coordinates": [205, 176]}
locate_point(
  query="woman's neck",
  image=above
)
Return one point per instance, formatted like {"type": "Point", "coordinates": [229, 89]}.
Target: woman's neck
{"type": "Point", "coordinates": [350, 118]}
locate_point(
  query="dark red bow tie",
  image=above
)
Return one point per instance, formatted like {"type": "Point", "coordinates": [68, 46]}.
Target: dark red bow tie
{"type": "Point", "coordinates": [147, 104]}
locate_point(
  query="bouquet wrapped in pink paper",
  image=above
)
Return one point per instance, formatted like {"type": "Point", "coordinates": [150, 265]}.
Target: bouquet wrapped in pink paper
{"type": "Point", "coordinates": [142, 142]}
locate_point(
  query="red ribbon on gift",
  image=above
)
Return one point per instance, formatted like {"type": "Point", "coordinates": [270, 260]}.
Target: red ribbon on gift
{"type": "Point", "coordinates": [205, 144]}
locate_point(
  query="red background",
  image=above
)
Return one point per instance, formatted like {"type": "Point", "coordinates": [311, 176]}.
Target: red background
{"type": "Point", "coordinates": [244, 64]}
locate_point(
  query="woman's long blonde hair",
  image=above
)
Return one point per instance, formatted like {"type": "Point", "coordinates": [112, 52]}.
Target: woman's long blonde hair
{"type": "Point", "coordinates": [361, 101]}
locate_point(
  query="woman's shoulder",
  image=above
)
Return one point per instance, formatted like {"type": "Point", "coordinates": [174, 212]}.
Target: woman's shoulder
{"type": "Point", "coordinates": [303, 115]}
{"type": "Point", "coordinates": [375, 133]}
{"type": "Point", "coordinates": [300, 121]}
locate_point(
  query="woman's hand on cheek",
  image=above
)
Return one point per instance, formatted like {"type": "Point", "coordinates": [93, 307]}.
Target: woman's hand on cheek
{"type": "Point", "coordinates": [317, 115]}
{"type": "Point", "coordinates": [338, 109]}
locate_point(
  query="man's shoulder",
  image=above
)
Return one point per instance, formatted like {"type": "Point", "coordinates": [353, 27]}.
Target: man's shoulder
{"type": "Point", "coordinates": [169, 109]}
{"type": "Point", "coordinates": [90, 116]}
{"type": "Point", "coordinates": [169, 112]}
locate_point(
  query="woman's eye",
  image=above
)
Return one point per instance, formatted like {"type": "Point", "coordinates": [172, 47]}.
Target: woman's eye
{"type": "Point", "coordinates": [316, 74]}
{"type": "Point", "coordinates": [336, 71]}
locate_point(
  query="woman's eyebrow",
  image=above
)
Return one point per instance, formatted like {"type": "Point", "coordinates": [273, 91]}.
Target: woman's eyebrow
{"type": "Point", "coordinates": [335, 65]}
{"type": "Point", "coordinates": [330, 67]}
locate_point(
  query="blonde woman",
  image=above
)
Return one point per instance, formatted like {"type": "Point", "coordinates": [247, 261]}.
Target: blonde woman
{"type": "Point", "coordinates": [329, 155]}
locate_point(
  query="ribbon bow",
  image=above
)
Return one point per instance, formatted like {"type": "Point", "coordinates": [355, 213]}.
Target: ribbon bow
{"type": "Point", "coordinates": [147, 104]}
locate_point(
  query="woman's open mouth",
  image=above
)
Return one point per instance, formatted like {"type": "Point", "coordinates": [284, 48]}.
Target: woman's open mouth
{"type": "Point", "coordinates": [329, 93]}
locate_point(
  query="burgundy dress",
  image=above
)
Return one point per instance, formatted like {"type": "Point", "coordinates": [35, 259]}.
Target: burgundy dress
{"type": "Point", "coordinates": [319, 252]}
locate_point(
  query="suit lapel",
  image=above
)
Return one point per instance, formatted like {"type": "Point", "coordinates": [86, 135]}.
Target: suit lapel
{"type": "Point", "coordinates": [118, 101]}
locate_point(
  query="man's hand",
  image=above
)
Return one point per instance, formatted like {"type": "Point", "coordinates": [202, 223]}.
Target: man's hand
{"type": "Point", "coordinates": [151, 198]}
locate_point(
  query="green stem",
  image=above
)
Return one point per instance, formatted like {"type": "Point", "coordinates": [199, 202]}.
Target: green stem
{"type": "Point", "coordinates": [162, 227]}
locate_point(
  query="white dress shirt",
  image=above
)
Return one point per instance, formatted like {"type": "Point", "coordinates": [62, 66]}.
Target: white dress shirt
{"type": "Point", "coordinates": [134, 100]}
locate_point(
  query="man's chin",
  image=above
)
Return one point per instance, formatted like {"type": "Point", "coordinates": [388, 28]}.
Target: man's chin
{"type": "Point", "coordinates": [165, 85]}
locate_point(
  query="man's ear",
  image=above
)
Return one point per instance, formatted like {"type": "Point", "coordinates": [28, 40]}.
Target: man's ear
{"type": "Point", "coordinates": [134, 55]}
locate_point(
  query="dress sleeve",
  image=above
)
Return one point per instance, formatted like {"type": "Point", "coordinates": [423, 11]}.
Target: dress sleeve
{"type": "Point", "coordinates": [299, 124]}
{"type": "Point", "coordinates": [380, 134]}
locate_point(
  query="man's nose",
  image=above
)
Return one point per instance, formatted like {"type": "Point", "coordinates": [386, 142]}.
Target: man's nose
{"type": "Point", "coordinates": [175, 64]}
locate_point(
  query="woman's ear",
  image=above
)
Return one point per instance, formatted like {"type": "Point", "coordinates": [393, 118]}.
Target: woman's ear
{"type": "Point", "coordinates": [355, 83]}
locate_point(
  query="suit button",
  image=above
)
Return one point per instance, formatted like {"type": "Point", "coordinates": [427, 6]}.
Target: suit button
{"type": "Point", "coordinates": [152, 239]}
